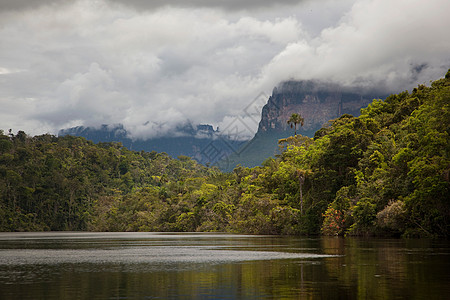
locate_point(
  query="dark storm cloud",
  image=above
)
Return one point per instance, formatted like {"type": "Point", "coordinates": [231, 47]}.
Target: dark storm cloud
{"type": "Point", "coordinates": [152, 4]}
{"type": "Point", "coordinates": [16, 5]}
{"type": "Point", "coordinates": [224, 4]}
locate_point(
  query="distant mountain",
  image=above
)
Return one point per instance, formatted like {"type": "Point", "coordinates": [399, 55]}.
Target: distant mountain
{"type": "Point", "coordinates": [317, 102]}
{"type": "Point", "coordinates": [200, 142]}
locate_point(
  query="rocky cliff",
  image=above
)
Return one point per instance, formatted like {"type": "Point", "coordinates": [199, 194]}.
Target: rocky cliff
{"type": "Point", "coordinates": [317, 102]}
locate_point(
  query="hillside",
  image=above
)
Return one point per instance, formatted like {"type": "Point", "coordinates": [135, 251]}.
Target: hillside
{"type": "Point", "coordinates": [187, 140]}
{"type": "Point", "coordinates": [318, 102]}
{"type": "Point", "coordinates": [383, 173]}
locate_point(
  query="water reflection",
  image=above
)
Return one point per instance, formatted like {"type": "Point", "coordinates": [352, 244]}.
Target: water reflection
{"type": "Point", "coordinates": [390, 269]}
{"type": "Point", "coordinates": [218, 266]}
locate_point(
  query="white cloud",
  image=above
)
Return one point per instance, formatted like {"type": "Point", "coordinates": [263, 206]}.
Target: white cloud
{"type": "Point", "coordinates": [91, 96]}
{"type": "Point", "coordinates": [377, 42]}
{"type": "Point", "coordinates": [152, 67]}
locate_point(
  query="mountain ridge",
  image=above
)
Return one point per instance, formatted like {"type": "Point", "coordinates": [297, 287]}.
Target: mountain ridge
{"type": "Point", "coordinates": [201, 142]}
{"type": "Point", "coordinates": [316, 101]}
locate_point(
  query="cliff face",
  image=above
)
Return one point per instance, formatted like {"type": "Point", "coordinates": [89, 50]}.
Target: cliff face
{"type": "Point", "coordinates": [317, 102]}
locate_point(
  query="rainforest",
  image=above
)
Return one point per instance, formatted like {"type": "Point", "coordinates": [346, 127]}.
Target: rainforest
{"type": "Point", "coordinates": [384, 173]}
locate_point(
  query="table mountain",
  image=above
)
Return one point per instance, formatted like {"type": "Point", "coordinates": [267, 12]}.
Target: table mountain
{"type": "Point", "coordinates": [317, 102]}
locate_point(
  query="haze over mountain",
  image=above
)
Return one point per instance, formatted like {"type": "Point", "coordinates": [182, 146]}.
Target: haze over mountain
{"type": "Point", "coordinates": [201, 142]}
{"type": "Point", "coordinates": [385, 173]}
{"type": "Point", "coordinates": [317, 102]}
{"type": "Point", "coordinates": [156, 65]}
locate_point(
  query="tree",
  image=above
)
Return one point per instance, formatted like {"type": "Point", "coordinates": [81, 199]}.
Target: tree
{"type": "Point", "coordinates": [294, 120]}
{"type": "Point", "coordinates": [301, 181]}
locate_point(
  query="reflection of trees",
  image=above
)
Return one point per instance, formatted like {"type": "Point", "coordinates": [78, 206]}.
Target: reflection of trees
{"type": "Point", "coordinates": [364, 269]}
{"type": "Point", "coordinates": [376, 269]}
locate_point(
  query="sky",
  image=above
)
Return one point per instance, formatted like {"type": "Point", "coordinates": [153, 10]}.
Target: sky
{"type": "Point", "coordinates": [155, 65]}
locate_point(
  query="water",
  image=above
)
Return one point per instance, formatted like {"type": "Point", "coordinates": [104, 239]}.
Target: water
{"type": "Point", "coordinates": [70, 265]}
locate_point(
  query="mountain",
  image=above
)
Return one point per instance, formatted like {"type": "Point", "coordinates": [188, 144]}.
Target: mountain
{"type": "Point", "coordinates": [201, 142]}
{"type": "Point", "coordinates": [385, 173]}
{"type": "Point", "coordinates": [316, 101]}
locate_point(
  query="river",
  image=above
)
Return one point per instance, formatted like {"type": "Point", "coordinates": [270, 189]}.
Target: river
{"type": "Point", "coordinates": [81, 265]}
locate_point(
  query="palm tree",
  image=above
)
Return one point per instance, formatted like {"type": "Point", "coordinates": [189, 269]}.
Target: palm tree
{"type": "Point", "coordinates": [294, 120]}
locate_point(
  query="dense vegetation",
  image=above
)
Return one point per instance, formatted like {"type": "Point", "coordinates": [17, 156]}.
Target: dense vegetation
{"type": "Point", "coordinates": [383, 173]}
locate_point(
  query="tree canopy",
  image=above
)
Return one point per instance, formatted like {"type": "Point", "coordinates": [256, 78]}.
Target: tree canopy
{"type": "Point", "coordinates": [294, 120]}
{"type": "Point", "coordinates": [385, 172]}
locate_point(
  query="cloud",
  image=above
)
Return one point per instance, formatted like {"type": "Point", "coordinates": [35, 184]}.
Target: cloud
{"type": "Point", "coordinates": [231, 5]}
{"type": "Point", "coordinates": [90, 96]}
{"type": "Point", "coordinates": [222, 4]}
{"type": "Point", "coordinates": [394, 45]}
{"type": "Point", "coordinates": [18, 5]}
{"type": "Point", "coordinates": [91, 63]}
{"type": "Point", "coordinates": [152, 66]}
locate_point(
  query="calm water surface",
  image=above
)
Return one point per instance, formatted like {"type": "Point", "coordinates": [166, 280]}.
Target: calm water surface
{"type": "Point", "coordinates": [70, 265]}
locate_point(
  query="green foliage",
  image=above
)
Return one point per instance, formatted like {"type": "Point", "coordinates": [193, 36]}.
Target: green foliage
{"type": "Point", "coordinates": [295, 119]}
{"type": "Point", "coordinates": [364, 215]}
{"type": "Point", "coordinates": [385, 172]}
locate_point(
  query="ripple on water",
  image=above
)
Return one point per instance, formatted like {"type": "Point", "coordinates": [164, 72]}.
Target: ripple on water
{"type": "Point", "coordinates": [154, 254]}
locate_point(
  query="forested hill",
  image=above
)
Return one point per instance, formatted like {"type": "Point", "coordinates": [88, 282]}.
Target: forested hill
{"type": "Point", "coordinates": [385, 172]}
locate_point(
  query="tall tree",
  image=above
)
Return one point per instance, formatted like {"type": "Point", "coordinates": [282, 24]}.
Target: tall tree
{"type": "Point", "coordinates": [294, 120]}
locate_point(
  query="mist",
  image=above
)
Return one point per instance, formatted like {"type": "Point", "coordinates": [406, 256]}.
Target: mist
{"type": "Point", "coordinates": [154, 66]}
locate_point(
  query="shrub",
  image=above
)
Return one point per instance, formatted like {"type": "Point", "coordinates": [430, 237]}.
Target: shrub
{"type": "Point", "coordinates": [333, 223]}
{"type": "Point", "coordinates": [392, 217]}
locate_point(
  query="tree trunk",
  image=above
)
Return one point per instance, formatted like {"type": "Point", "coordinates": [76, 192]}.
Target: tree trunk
{"type": "Point", "coordinates": [301, 181]}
